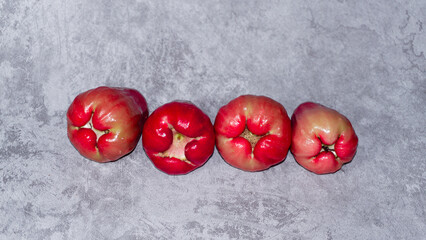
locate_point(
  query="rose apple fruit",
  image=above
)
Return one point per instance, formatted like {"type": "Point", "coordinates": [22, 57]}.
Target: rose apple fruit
{"type": "Point", "coordinates": [253, 133]}
{"type": "Point", "coordinates": [105, 123]}
{"type": "Point", "coordinates": [178, 137]}
{"type": "Point", "coordinates": [322, 138]}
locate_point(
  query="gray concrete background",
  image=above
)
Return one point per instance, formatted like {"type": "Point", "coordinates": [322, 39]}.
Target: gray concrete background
{"type": "Point", "coordinates": [364, 58]}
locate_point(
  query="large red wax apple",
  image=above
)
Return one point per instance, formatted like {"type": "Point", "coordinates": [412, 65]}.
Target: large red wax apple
{"type": "Point", "coordinates": [253, 133]}
{"type": "Point", "coordinates": [105, 123]}
{"type": "Point", "coordinates": [322, 139]}
{"type": "Point", "coordinates": [178, 138]}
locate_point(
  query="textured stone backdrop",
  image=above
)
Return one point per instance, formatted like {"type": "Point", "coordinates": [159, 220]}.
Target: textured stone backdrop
{"type": "Point", "coordinates": [364, 58]}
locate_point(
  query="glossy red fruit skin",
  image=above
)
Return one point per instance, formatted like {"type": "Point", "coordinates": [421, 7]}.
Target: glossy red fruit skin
{"type": "Point", "coordinates": [178, 137]}
{"type": "Point", "coordinates": [322, 138]}
{"type": "Point", "coordinates": [263, 117]}
{"type": "Point", "coordinates": [105, 123]}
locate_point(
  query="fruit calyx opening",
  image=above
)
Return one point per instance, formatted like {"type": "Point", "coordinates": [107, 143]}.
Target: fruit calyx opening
{"type": "Point", "coordinates": [328, 148]}
{"type": "Point", "coordinates": [98, 133]}
{"type": "Point", "coordinates": [177, 148]}
{"type": "Point", "coordinates": [251, 137]}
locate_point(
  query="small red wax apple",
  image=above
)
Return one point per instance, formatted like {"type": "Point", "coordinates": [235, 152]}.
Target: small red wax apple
{"type": "Point", "coordinates": [105, 123]}
{"type": "Point", "coordinates": [178, 138]}
{"type": "Point", "coordinates": [253, 133]}
{"type": "Point", "coordinates": [322, 138]}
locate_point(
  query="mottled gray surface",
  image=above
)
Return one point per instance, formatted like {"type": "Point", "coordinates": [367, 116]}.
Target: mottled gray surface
{"type": "Point", "coordinates": [364, 58]}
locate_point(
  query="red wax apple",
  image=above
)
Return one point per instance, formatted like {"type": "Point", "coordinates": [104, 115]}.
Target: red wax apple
{"type": "Point", "coordinates": [253, 133]}
{"type": "Point", "coordinates": [322, 139]}
{"type": "Point", "coordinates": [105, 123]}
{"type": "Point", "coordinates": [178, 138]}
